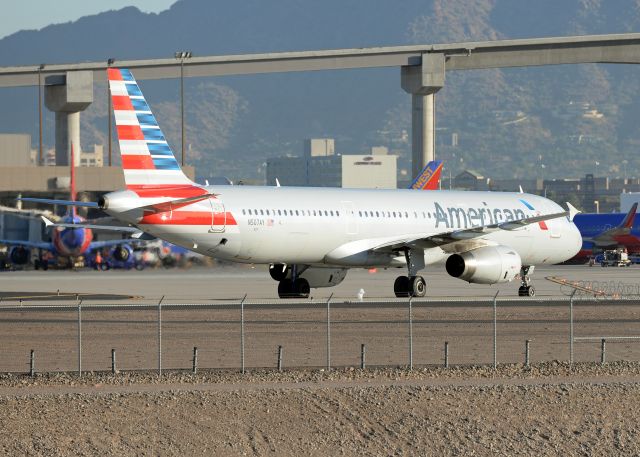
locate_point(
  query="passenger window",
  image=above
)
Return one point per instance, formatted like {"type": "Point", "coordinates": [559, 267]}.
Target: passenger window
{"type": "Point", "coordinates": [377, 214]}
{"type": "Point", "coordinates": [360, 213]}
{"type": "Point", "coordinates": [261, 213]}
{"type": "Point", "coordinates": [337, 214]}
{"type": "Point", "coordinates": [250, 213]}
{"type": "Point", "coordinates": [314, 212]}
{"type": "Point", "coordinates": [394, 214]}
{"type": "Point", "coordinates": [279, 213]}
{"type": "Point", "coordinates": [268, 213]}
{"type": "Point", "coordinates": [326, 213]}
{"type": "Point", "coordinates": [406, 215]}
{"type": "Point", "coordinates": [297, 213]}
{"type": "Point", "coordinates": [243, 212]}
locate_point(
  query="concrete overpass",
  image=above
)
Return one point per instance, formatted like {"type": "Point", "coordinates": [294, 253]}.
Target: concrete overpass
{"type": "Point", "coordinates": [423, 68]}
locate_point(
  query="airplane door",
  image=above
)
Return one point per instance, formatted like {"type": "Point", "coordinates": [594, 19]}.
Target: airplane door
{"type": "Point", "coordinates": [351, 221]}
{"type": "Point", "coordinates": [218, 216]}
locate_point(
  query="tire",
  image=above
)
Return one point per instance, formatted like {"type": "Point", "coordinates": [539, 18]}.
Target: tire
{"type": "Point", "coordinates": [418, 287]}
{"type": "Point", "coordinates": [302, 288]}
{"type": "Point", "coordinates": [531, 292]}
{"type": "Point", "coordinates": [285, 289]}
{"type": "Point", "coordinates": [401, 286]}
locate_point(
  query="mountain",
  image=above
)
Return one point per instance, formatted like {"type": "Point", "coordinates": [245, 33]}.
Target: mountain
{"type": "Point", "coordinates": [551, 122]}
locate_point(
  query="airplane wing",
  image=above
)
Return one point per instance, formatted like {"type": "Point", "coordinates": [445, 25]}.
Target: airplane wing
{"type": "Point", "coordinates": [107, 228]}
{"type": "Point", "coordinates": [109, 243]}
{"type": "Point", "coordinates": [620, 234]}
{"type": "Point", "coordinates": [430, 240]}
{"type": "Point", "coordinates": [28, 244]}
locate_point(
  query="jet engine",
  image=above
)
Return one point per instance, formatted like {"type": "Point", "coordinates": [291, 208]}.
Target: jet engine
{"type": "Point", "coordinates": [316, 276]}
{"type": "Point", "coordinates": [19, 255]}
{"type": "Point", "coordinates": [486, 265]}
{"type": "Point", "coordinates": [122, 253]}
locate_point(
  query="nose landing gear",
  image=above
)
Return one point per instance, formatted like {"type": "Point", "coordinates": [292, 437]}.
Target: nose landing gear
{"type": "Point", "coordinates": [526, 289]}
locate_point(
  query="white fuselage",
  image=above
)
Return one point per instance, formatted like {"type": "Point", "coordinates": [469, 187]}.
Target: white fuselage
{"type": "Point", "coordinates": [329, 226]}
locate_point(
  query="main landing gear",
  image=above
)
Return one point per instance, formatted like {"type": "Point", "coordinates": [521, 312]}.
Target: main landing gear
{"type": "Point", "coordinates": [411, 285]}
{"type": "Point", "coordinates": [526, 289]}
{"type": "Point", "coordinates": [289, 285]}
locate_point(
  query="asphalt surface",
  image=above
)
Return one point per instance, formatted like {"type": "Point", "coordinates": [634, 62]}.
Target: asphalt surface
{"type": "Point", "coordinates": [234, 282]}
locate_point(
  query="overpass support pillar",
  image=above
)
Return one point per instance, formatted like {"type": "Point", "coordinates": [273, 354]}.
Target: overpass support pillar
{"type": "Point", "coordinates": [67, 95]}
{"type": "Point", "coordinates": [422, 82]}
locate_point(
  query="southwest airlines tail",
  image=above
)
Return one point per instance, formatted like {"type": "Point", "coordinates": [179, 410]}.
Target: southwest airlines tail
{"type": "Point", "coordinates": [147, 159]}
{"type": "Point", "coordinates": [429, 178]}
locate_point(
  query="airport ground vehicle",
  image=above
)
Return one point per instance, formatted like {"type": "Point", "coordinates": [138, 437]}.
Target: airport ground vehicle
{"type": "Point", "coordinates": [614, 258]}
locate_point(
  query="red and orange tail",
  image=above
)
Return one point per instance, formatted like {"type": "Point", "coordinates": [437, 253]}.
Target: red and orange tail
{"type": "Point", "coordinates": [429, 178]}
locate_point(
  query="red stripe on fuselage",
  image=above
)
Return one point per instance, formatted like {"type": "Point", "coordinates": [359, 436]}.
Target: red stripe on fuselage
{"type": "Point", "coordinates": [187, 218]}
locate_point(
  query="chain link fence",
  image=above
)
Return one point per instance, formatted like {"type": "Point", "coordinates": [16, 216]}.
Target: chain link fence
{"type": "Point", "coordinates": [246, 335]}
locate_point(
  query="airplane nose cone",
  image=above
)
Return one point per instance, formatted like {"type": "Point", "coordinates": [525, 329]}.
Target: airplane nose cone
{"type": "Point", "coordinates": [574, 240]}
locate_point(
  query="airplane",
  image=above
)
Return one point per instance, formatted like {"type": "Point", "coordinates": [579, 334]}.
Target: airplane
{"type": "Point", "coordinates": [311, 237]}
{"type": "Point", "coordinates": [429, 177]}
{"type": "Point", "coordinates": [607, 231]}
{"type": "Point", "coordinates": [69, 241]}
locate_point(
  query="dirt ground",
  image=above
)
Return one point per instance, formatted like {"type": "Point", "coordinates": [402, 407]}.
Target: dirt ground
{"type": "Point", "coordinates": [548, 409]}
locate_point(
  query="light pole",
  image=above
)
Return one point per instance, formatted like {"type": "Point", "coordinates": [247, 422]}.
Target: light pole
{"type": "Point", "coordinates": [182, 55]}
{"type": "Point", "coordinates": [109, 63]}
{"type": "Point", "coordinates": [40, 158]}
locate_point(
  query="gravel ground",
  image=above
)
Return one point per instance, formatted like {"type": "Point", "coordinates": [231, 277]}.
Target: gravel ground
{"type": "Point", "coordinates": [547, 409]}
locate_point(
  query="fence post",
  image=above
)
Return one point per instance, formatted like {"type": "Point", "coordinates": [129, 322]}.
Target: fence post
{"type": "Point", "coordinates": [195, 360]}
{"type": "Point", "coordinates": [526, 353]}
{"type": "Point", "coordinates": [571, 327]}
{"type": "Point", "coordinates": [80, 338]}
{"type": "Point", "coordinates": [603, 351]}
{"type": "Point", "coordinates": [329, 332]}
{"type": "Point", "coordinates": [495, 330]}
{"type": "Point", "coordinates": [410, 333]}
{"type": "Point", "coordinates": [160, 336]}
{"type": "Point", "coordinates": [242, 333]}
{"type": "Point", "coordinates": [32, 363]}
{"type": "Point", "coordinates": [113, 361]}
{"type": "Point", "coordinates": [446, 354]}
{"type": "Point", "coordinates": [363, 354]}
{"type": "Point", "coordinates": [279, 358]}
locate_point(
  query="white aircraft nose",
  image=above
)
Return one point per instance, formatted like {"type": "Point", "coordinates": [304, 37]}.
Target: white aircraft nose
{"type": "Point", "coordinates": [574, 240]}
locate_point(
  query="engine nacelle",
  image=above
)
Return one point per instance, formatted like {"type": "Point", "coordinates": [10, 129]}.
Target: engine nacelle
{"type": "Point", "coordinates": [487, 265]}
{"type": "Point", "coordinates": [316, 276]}
{"type": "Point", "coordinates": [19, 255]}
{"type": "Point", "coordinates": [324, 277]}
{"type": "Point", "coordinates": [122, 253]}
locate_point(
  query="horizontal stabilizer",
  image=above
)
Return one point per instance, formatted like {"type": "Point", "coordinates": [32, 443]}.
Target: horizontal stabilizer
{"type": "Point", "coordinates": [59, 202]}
{"type": "Point", "coordinates": [107, 228]}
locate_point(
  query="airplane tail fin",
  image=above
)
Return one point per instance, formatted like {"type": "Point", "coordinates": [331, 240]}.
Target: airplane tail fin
{"type": "Point", "coordinates": [147, 159]}
{"type": "Point", "coordinates": [429, 177]}
{"type": "Point", "coordinates": [627, 222]}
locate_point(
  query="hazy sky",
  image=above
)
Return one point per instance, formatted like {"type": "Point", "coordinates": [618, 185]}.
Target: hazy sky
{"type": "Point", "coordinates": [35, 14]}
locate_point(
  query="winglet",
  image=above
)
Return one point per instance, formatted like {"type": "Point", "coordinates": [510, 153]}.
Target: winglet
{"type": "Point", "coordinates": [521, 191]}
{"type": "Point", "coordinates": [277, 183]}
{"type": "Point", "coordinates": [572, 211]}
{"type": "Point", "coordinates": [47, 222]}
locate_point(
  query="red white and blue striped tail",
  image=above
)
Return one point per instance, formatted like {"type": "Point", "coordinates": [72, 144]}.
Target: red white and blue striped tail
{"type": "Point", "coordinates": [147, 159]}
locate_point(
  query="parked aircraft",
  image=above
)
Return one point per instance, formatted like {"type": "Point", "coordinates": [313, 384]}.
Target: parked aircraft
{"type": "Point", "coordinates": [608, 231]}
{"type": "Point", "coordinates": [429, 177]}
{"type": "Point", "coordinates": [311, 237]}
{"type": "Point", "coordinates": [70, 240]}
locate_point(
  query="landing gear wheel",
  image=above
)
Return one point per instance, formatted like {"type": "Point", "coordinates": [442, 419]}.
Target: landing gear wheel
{"type": "Point", "coordinates": [418, 287]}
{"type": "Point", "coordinates": [526, 291]}
{"type": "Point", "coordinates": [401, 286]}
{"type": "Point", "coordinates": [289, 289]}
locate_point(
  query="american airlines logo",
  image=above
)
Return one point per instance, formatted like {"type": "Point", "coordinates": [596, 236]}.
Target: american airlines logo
{"type": "Point", "coordinates": [454, 217]}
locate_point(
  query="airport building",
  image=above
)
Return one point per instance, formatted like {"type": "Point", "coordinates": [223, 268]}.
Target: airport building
{"type": "Point", "coordinates": [320, 166]}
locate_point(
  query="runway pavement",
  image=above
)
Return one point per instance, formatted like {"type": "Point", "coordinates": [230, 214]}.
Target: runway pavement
{"type": "Point", "coordinates": [233, 282]}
